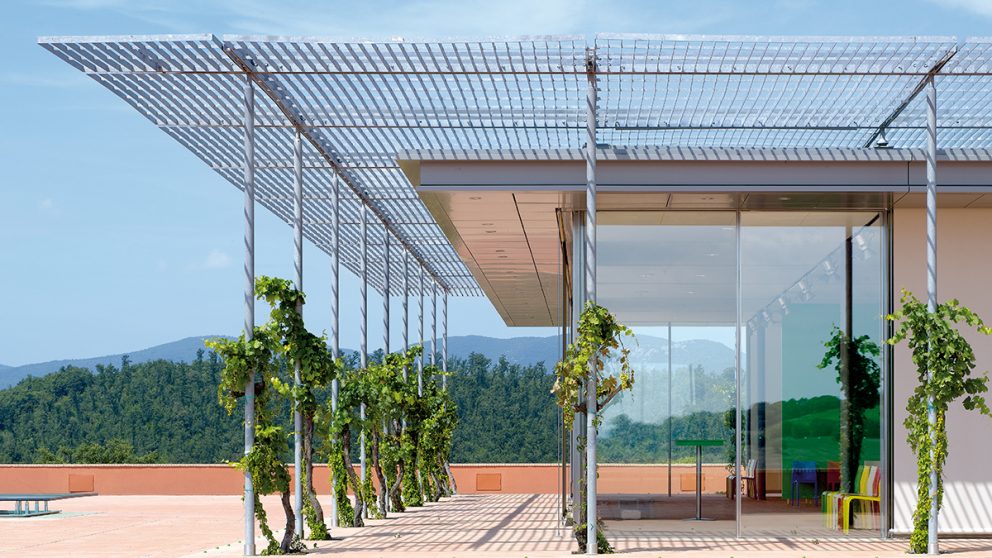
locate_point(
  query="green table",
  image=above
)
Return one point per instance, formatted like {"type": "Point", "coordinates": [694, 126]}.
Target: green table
{"type": "Point", "coordinates": [699, 444]}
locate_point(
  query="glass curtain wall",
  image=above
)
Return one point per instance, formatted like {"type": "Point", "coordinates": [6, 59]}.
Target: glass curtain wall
{"type": "Point", "coordinates": [811, 300]}
{"type": "Point", "coordinates": [810, 310]}
{"type": "Point", "coordinates": [671, 277]}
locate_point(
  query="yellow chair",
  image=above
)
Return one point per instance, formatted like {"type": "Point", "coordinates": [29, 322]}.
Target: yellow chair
{"type": "Point", "coordinates": [837, 505]}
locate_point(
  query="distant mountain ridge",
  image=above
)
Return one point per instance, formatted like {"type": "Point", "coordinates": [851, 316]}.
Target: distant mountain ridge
{"type": "Point", "coordinates": [711, 355]}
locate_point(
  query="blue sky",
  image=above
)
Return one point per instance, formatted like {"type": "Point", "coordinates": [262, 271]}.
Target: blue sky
{"type": "Point", "coordinates": [114, 238]}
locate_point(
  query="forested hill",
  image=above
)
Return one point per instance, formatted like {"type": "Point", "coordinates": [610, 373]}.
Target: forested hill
{"type": "Point", "coordinates": [168, 412]}
{"type": "Point", "coordinates": [517, 350]}
{"type": "Point", "coordinates": [647, 350]}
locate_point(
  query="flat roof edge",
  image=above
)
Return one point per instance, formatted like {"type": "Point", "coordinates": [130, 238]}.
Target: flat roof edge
{"type": "Point", "coordinates": [783, 155]}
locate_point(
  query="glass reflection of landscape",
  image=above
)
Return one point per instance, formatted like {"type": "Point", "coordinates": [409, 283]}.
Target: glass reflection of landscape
{"type": "Point", "coordinates": [805, 277]}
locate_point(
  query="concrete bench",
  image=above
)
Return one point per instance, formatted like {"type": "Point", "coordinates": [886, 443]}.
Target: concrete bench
{"type": "Point", "coordinates": [22, 503]}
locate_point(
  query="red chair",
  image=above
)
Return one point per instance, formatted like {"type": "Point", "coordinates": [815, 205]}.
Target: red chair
{"type": "Point", "coordinates": [833, 475]}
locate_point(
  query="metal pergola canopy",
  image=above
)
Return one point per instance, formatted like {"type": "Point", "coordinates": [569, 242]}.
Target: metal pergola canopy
{"type": "Point", "coordinates": [358, 104]}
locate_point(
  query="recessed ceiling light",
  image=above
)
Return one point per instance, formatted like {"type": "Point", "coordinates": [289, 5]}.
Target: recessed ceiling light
{"type": "Point", "coordinates": [700, 275]}
{"type": "Point", "coordinates": [475, 197]}
{"type": "Point", "coordinates": [500, 251]}
{"type": "Point", "coordinates": [487, 224]}
{"type": "Point", "coordinates": [784, 198]}
{"type": "Point", "coordinates": [490, 231]}
{"type": "Point", "coordinates": [712, 254]}
{"type": "Point", "coordinates": [690, 292]}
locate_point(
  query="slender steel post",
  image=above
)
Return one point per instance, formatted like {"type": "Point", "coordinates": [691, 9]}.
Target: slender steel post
{"type": "Point", "coordinates": [433, 323]}
{"type": "Point", "coordinates": [406, 308]}
{"type": "Point", "coordinates": [932, 525]}
{"type": "Point", "coordinates": [591, 400]}
{"type": "Point", "coordinates": [444, 340]}
{"type": "Point", "coordinates": [385, 294]}
{"type": "Point", "coordinates": [298, 262]}
{"type": "Point", "coordinates": [420, 325]}
{"type": "Point", "coordinates": [249, 549]}
{"type": "Point", "coordinates": [335, 320]}
{"type": "Point", "coordinates": [364, 353]}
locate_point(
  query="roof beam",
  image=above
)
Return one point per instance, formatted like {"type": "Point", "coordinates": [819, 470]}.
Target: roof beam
{"type": "Point", "coordinates": [909, 98]}
{"type": "Point", "coordinates": [269, 84]}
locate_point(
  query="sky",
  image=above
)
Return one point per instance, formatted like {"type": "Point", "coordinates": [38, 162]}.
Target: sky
{"type": "Point", "coordinates": [113, 237]}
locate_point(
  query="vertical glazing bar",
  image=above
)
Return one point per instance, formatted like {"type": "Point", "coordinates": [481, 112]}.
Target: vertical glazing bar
{"type": "Point", "coordinates": [932, 525]}
{"type": "Point", "coordinates": [364, 352]}
{"type": "Point", "coordinates": [444, 340]}
{"type": "Point", "coordinates": [737, 378]}
{"type": "Point", "coordinates": [420, 361]}
{"type": "Point", "coordinates": [249, 548]}
{"type": "Point", "coordinates": [669, 409]}
{"type": "Point", "coordinates": [578, 295]}
{"type": "Point", "coordinates": [885, 507]}
{"type": "Point", "coordinates": [298, 264]}
{"type": "Point", "coordinates": [591, 400]}
{"type": "Point", "coordinates": [335, 318]}
{"type": "Point", "coordinates": [385, 294]}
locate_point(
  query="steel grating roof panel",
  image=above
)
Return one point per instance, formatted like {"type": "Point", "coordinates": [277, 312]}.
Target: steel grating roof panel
{"type": "Point", "coordinates": [359, 103]}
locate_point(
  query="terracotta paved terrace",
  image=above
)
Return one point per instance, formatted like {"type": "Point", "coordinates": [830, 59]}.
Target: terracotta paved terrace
{"type": "Point", "coordinates": [468, 525]}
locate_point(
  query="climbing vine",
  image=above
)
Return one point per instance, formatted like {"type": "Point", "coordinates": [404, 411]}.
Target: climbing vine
{"type": "Point", "coordinates": [408, 437]}
{"type": "Point", "coordinates": [599, 338]}
{"type": "Point", "coordinates": [944, 364]}
{"type": "Point", "coordinates": [253, 358]}
{"type": "Point", "coordinates": [275, 348]}
{"type": "Point", "coordinates": [307, 352]}
{"type": "Point", "coordinates": [859, 376]}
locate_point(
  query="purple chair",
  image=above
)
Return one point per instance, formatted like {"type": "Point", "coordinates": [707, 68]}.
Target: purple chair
{"type": "Point", "coordinates": [804, 472]}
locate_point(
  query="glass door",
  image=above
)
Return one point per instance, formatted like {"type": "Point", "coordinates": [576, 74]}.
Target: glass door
{"type": "Point", "coordinates": [811, 288]}
{"type": "Point", "coordinates": [671, 277]}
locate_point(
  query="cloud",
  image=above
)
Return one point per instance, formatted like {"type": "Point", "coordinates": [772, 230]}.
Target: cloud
{"type": "Point", "coordinates": [48, 207]}
{"type": "Point", "coordinates": [217, 260]}
{"type": "Point", "coordinates": [979, 7]}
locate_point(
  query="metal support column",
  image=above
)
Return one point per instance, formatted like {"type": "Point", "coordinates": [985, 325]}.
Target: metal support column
{"type": "Point", "coordinates": [298, 264]}
{"type": "Point", "coordinates": [433, 323]}
{"type": "Point", "coordinates": [406, 308]}
{"type": "Point", "coordinates": [335, 321]}
{"type": "Point", "coordinates": [364, 352]}
{"type": "Point", "coordinates": [591, 400]}
{"type": "Point", "coordinates": [249, 547]}
{"type": "Point", "coordinates": [385, 294]}
{"type": "Point", "coordinates": [420, 361]}
{"type": "Point", "coordinates": [444, 340]}
{"type": "Point", "coordinates": [932, 525]}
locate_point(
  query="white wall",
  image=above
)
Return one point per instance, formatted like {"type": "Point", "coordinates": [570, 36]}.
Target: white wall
{"type": "Point", "coordinates": [964, 243]}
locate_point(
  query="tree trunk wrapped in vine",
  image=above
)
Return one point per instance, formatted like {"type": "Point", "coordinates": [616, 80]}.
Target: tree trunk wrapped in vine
{"type": "Point", "coordinates": [859, 377]}
{"type": "Point", "coordinates": [276, 347]}
{"type": "Point", "coordinates": [245, 359]}
{"type": "Point", "coordinates": [307, 353]}
{"type": "Point", "coordinates": [599, 338]}
{"type": "Point", "coordinates": [944, 363]}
